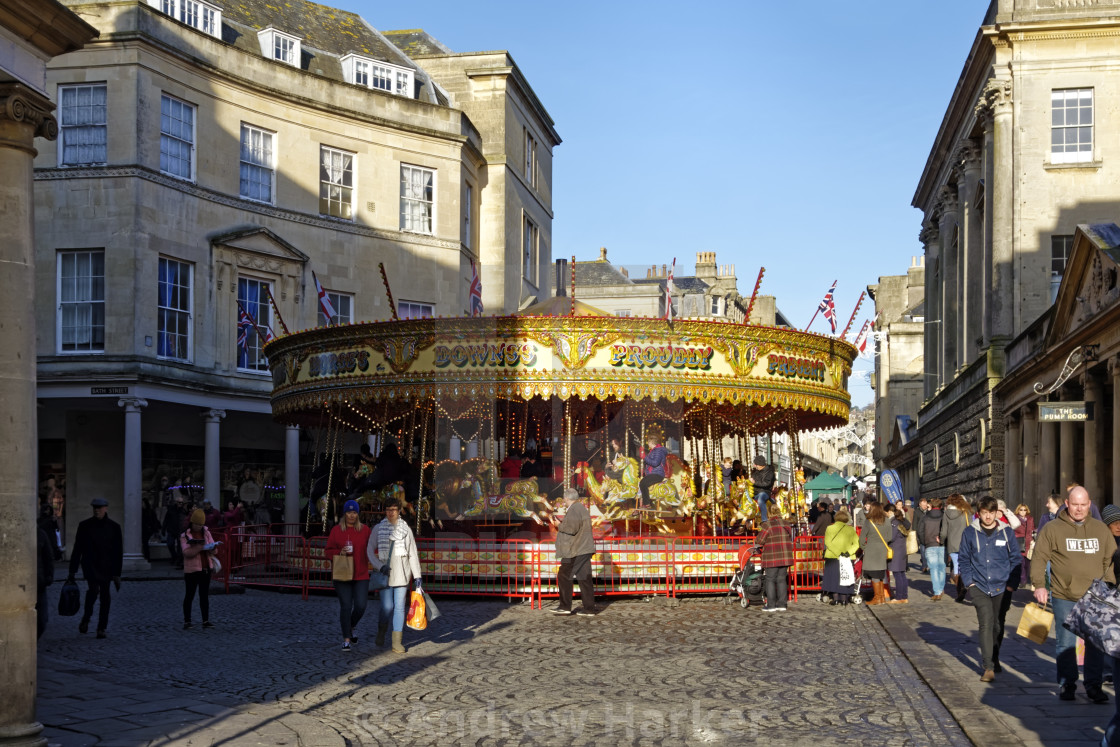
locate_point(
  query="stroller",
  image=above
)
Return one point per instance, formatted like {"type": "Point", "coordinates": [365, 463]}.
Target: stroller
{"type": "Point", "coordinates": [747, 581]}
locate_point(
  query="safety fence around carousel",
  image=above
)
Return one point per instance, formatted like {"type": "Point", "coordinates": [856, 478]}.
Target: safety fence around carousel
{"type": "Point", "coordinates": [278, 556]}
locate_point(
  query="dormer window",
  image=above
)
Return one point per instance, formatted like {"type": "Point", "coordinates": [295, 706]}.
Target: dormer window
{"type": "Point", "coordinates": [370, 73]}
{"type": "Point", "coordinates": [198, 14]}
{"type": "Point", "coordinates": [276, 45]}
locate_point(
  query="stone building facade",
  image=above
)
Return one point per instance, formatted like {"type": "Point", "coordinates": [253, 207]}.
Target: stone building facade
{"type": "Point", "coordinates": [212, 154]}
{"type": "Point", "coordinates": [1019, 161]}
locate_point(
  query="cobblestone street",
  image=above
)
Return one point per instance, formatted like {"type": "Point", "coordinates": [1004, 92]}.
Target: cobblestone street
{"type": "Point", "coordinates": [488, 672]}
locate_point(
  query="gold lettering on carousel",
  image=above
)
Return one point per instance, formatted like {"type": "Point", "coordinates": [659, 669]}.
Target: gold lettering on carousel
{"type": "Point", "coordinates": [667, 356]}
{"type": "Point", "coordinates": [801, 368]}
{"type": "Point", "coordinates": [506, 354]}
{"type": "Point", "coordinates": [332, 364]}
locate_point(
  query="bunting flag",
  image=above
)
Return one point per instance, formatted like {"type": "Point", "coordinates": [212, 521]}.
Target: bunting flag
{"type": "Point", "coordinates": [324, 300]}
{"type": "Point", "coordinates": [828, 307]}
{"type": "Point", "coordinates": [276, 310]}
{"type": "Point", "coordinates": [475, 292]}
{"type": "Point", "coordinates": [861, 338]}
{"type": "Point", "coordinates": [669, 288]}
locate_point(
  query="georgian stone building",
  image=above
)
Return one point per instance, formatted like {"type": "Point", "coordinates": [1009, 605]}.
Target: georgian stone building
{"type": "Point", "coordinates": [213, 153]}
{"type": "Point", "coordinates": [1021, 158]}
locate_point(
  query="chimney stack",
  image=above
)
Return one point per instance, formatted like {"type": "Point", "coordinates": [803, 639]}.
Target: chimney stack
{"type": "Point", "coordinates": [562, 277]}
{"type": "Point", "coordinates": [602, 254]}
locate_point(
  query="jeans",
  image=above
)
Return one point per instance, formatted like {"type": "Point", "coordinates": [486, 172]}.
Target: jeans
{"type": "Point", "coordinates": [199, 580]}
{"type": "Point", "coordinates": [762, 497]}
{"type": "Point", "coordinates": [352, 598]}
{"type": "Point", "coordinates": [901, 585]}
{"type": "Point", "coordinates": [954, 556]}
{"type": "Point", "coordinates": [1065, 651]}
{"type": "Point", "coordinates": [393, 606]}
{"type": "Point", "coordinates": [991, 614]}
{"type": "Point", "coordinates": [935, 559]}
{"type": "Point", "coordinates": [579, 568]}
{"type": "Point", "coordinates": [776, 584]}
{"type": "Point", "coordinates": [922, 559]}
{"type": "Point", "coordinates": [1112, 731]}
{"type": "Point", "coordinates": [98, 589]}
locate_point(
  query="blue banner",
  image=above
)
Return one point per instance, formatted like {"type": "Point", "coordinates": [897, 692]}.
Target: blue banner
{"type": "Point", "coordinates": [891, 485]}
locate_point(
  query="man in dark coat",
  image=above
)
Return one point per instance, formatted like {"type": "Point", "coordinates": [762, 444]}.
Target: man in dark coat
{"type": "Point", "coordinates": [99, 551]}
{"type": "Point", "coordinates": [574, 546]}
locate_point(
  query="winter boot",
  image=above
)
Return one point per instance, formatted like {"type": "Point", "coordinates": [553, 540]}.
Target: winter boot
{"type": "Point", "coordinates": [382, 629]}
{"type": "Point", "coordinates": [878, 597]}
{"type": "Point", "coordinates": [398, 647]}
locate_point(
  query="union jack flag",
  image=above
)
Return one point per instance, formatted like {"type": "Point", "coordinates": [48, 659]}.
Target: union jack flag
{"type": "Point", "coordinates": [244, 326]}
{"type": "Point", "coordinates": [828, 307]}
{"type": "Point", "coordinates": [475, 292]}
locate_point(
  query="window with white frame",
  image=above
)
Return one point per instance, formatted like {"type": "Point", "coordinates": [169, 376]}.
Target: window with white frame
{"type": "Point", "coordinates": [176, 137]}
{"type": "Point", "coordinates": [716, 304]}
{"type": "Point", "coordinates": [174, 310]}
{"type": "Point", "coordinates": [1060, 248]}
{"type": "Point", "coordinates": [415, 310]}
{"type": "Point", "coordinates": [622, 312]}
{"type": "Point", "coordinates": [81, 301]}
{"type": "Point", "coordinates": [418, 196]}
{"type": "Point", "coordinates": [336, 183]}
{"type": "Point", "coordinates": [530, 235]}
{"type": "Point", "coordinates": [530, 158]}
{"type": "Point", "coordinates": [468, 208]}
{"type": "Point", "coordinates": [258, 165]}
{"type": "Point", "coordinates": [277, 45]}
{"type": "Point", "coordinates": [343, 305]}
{"type": "Point", "coordinates": [1071, 125]}
{"type": "Point", "coordinates": [252, 296]}
{"type": "Point", "coordinates": [82, 125]}
{"type": "Point", "coordinates": [364, 71]}
{"type": "Point", "coordinates": [204, 16]}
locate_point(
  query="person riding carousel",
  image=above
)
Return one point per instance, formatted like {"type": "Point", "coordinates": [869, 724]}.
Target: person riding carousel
{"type": "Point", "coordinates": [654, 463]}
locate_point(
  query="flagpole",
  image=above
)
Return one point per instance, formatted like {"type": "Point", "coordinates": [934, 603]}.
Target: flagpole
{"type": "Point", "coordinates": [388, 291]}
{"type": "Point", "coordinates": [853, 317]}
{"type": "Point", "coordinates": [810, 324]}
{"type": "Point", "coordinates": [276, 308]}
{"type": "Point", "coordinates": [754, 294]}
{"type": "Point", "coordinates": [573, 313]}
{"type": "Point", "coordinates": [253, 321]}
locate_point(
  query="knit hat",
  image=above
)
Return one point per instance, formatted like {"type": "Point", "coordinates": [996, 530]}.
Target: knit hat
{"type": "Point", "coordinates": [198, 516]}
{"type": "Point", "coordinates": [1110, 513]}
{"type": "Point", "coordinates": [351, 506]}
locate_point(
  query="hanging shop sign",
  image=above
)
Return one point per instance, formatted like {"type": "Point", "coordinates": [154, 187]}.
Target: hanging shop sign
{"type": "Point", "coordinates": [1051, 412]}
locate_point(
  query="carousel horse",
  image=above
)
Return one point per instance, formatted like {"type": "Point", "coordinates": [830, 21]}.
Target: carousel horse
{"type": "Point", "coordinates": [488, 496]}
{"type": "Point", "coordinates": [614, 494]}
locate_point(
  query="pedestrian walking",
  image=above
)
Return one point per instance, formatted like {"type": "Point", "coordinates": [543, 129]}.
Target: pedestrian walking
{"type": "Point", "coordinates": [99, 552]}
{"type": "Point", "coordinates": [1024, 534]}
{"type": "Point", "coordinates": [776, 541]}
{"type": "Point", "coordinates": [898, 562]}
{"type": "Point", "coordinates": [198, 547]}
{"type": "Point", "coordinates": [392, 541]}
{"type": "Point", "coordinates": [350, 538]}
{"type": "Point", "coordinates": [953, 523]}
{"type": "Point", "coordinates": [875, 542]}
{"type": "Point", "coordinates": [840, 541]}
{"type": "Point", "coordinates": [929, 532]}
{"type": "Point", "coordinates": [919, 515]}
{"type": "Point", "coordinates": [1110, 515]}
{"type": "Point", "coordinates": [989, 562]}
{"type": "Point", "coordinates": [1076, 547]}
{"type": "Point", "coordinates": [574, 547]}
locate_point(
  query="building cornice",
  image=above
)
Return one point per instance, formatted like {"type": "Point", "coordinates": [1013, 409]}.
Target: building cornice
{"type": "Point", "coordinates": [46, 24]}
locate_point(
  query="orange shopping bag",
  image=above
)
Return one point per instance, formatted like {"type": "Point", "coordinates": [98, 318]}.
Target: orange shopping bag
{"type": "Point", "coordinates": [417, 620]}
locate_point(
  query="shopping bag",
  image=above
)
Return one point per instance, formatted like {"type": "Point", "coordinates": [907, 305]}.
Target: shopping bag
{"type": "Point", "coordinates": [1096, 618]}
{"type": "Point", "coordinates": [912, 543]}
{"type": "Point", "coordinates": [342, 568]}
{"type": "Point", "coordinates": [430, 608]}
{"type": "Point", "coordinates": [416, 619]}
{"type": "Point", "coordinates": [70, 601]}
{"type": "Point", "coordinates": [1035, 623]}
{"type": "Point", "coordinates": [847, 572]}
{"type": "Point", "coordinates": [215, 567]}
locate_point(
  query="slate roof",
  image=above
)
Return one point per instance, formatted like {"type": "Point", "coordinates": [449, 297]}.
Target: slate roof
{"type": "Point", "coordinates": [599, 272]}
{"type": "Point", "coordinates": [416, 42]}
{"type": "Point", "coordinates": [682, 284]}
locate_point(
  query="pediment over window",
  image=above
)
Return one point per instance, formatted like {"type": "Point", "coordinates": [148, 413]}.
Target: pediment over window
{"type": "Point", "coordinates": [262, 243]}
{"type": "Point", "coordinates": [1091, 283]}
{"type": "Point", "coordinates": [260, 252]}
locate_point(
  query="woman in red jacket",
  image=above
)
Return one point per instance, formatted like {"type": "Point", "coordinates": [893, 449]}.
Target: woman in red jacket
{"type": "Point", "coordinates": [349, 537]}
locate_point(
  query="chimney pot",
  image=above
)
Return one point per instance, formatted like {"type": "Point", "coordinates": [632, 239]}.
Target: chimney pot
{"type": "Point", "coordinates": [603, 253]}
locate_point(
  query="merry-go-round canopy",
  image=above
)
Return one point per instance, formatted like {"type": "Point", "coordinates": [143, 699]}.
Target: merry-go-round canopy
{"type": "Point", "coordinates": [756, 376]}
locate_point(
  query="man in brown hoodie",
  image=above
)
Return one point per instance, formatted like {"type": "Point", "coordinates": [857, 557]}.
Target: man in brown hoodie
{"type": "Point", "coordinates": [1078, 549]}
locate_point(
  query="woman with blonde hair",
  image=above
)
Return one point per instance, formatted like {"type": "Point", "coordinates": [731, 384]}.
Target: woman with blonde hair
{"type": "Point", "coordinates": [1025, 534]}
{"type": "Point", "coordinates": [957, 516]}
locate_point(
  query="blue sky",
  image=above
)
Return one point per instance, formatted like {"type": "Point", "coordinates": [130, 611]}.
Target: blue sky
{"type": "Point", "coordinates": [778, 134]}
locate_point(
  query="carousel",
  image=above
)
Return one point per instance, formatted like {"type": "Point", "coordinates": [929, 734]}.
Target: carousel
{"type": "Point", "coordinates": [490, 418]}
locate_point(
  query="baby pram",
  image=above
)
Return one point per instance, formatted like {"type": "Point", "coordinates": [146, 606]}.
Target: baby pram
{"type": "Point", "coordinates": [746, 583]}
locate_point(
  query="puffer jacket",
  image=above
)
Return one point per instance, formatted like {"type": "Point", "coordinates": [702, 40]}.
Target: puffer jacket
{"type": "Point", "coordinates": [989, 563]}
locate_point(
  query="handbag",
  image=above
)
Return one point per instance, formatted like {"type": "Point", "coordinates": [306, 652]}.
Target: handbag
{"type": "Point", "coordinates": [379, 579]}
{"type": "Point", "coordinates": [1096, 618]}
{"type": "Point", "coordinates": [430, 609]}
{"type": "Point", "coordinates": [70, 602]}
{"type": "Point", "coordinates": [1035, 623]}
{"type": "Point", "coordinates": [890, 552]}
{"type": "Point", "coordinates": [911, 542]}
{"type": "Point", "coordinates": [342, 568]}
{"type": "Point", "coordinates": [416, 618]}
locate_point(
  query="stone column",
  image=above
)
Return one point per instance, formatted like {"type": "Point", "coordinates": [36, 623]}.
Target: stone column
{"type": "Point", "coordinates": [930, 382]}
{"type": "Point", "coordinates": [996, 105]}
{"type": "Point", "coordinates": [1114, 374]}
{"type": "Point", "coordinates": [1048, 466]}
{"type": "Point", "coordinates": [1029, 483]}
{"type": "Point", "coordinates": [1067, 464]}
{"type": "Point", "coordinates": [291, 476]}
{"type": "Point", "coordinates": [950, 247]}
{"type": "Point", "coordinates": [133, 496]}
{"type": "Point", "coordinates": [1094, 432]}
{"type": "Point", "coordinates": [970, 277]}
{"type": "Point", "coordinates": [24, 115]}
{"type": "Point", "coordinates": [212, 466]}
{"type": "Point", "coordinates": [1012, 462]}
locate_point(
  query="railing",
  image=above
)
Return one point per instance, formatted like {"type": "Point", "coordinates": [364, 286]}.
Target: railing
{"type": "Point", "coordinates": [480, 567]}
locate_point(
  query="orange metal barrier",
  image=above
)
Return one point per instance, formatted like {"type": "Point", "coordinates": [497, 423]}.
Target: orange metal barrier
{"type": "Point", "coordinates": [275, 560]}
{"type": "Point", "coordinates": [480, 567]}
{"type": "Point", "coordinates": [621, 566]}
{"type": "Point", "coordinates": [808, 567]}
